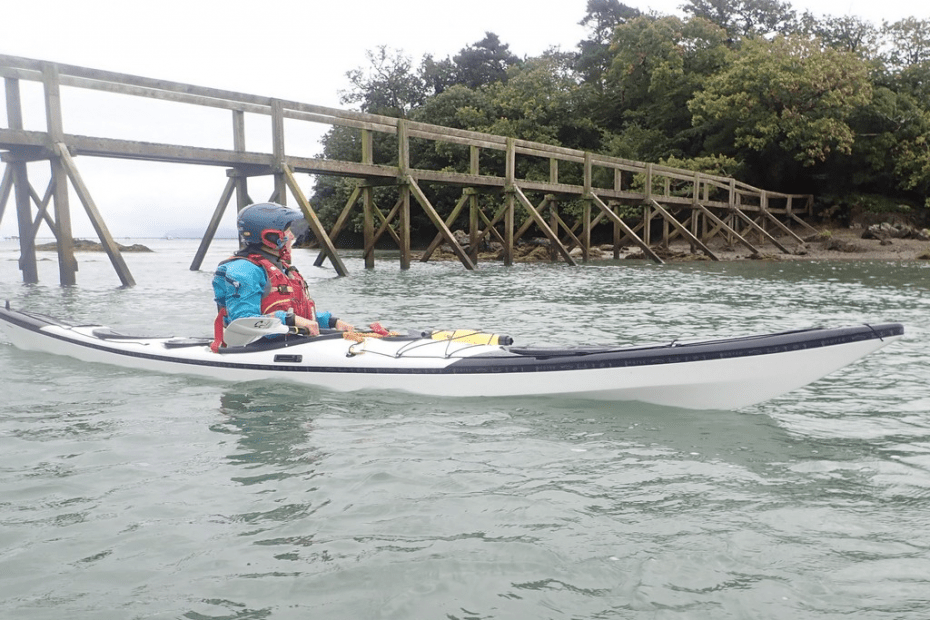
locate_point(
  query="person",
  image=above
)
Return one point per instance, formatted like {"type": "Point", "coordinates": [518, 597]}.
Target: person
{"type": "Point", "coordinates": [259, 279]}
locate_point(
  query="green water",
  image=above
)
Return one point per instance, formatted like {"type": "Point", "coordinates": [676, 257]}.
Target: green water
{"type": "Point", "coordinates": [133, 495]}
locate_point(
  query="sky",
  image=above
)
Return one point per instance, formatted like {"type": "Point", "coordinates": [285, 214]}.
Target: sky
{"type": "Point", "coordinates": [299, 51]}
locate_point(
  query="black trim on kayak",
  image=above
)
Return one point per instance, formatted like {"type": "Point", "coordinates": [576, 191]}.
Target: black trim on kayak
{"type": "Point", "coordinates": [527, 359]}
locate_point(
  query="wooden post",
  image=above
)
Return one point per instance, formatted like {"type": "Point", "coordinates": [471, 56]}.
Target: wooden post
{"type": "Point", "coordinates": [438, 223]}
{"type": "Point", "coordinates": [720, 223]}
{"type": "Point", "coordinates": [18, 176]}
{"type": "Point", "coordinates": [314, 222]}
{"type": "Point", "coordinates": [437, 240]}
{"type": "Point", "coordinates": [214, 224]}
{"type": "Point", "coordinates": [586, 210]}
{"type": "Point", "coordinates": [67, 264]}
{"type": "Point", "coordinates": [403, 166]}
{"type": "Point", "coordinates": [96, 220]}
{"type": "Point", "coordinates": [538, 219]}
{"type": "Point", "coordinates": [385, 226]}
{"type": "Point", "coordinates": [762, 233]}
{"type": "Point", "coordinates": [553, 206]}
{"type": "Point", "coordinates": [664, 229]}
{"type": "Point", "coordinates": [647, 225]}
{"type": "Point", "coordinates": [648, 187]}
{"type": "Point", "coordinates": [669, 218]}
{"type": "Point", "coordinates": [242, 181]}
{"type": "Point", "coordinates": [340, 222]}
{"type": "Point", "coordinates": [368, 202]}
{"type": "Point", "coordinates": [618, 234]}
{"type": "Point", "coordinates": [509, 201]}
{"type": "Point", "coordinates": [474, 154]}
{"type": "Point", "coordinates": [277, 141]}
{"type": "Point", "coordinates": [404, 224]}
{"type": "Point", "coordinates": [626, 229]}
{"type": "Point", "coordinates": [6, 187]}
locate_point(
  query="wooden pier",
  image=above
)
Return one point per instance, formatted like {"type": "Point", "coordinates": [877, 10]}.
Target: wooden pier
{"type": "Point", "coordinates": [690, 205]}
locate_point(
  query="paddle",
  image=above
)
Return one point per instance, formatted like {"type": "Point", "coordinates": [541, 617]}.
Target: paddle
{"type": "Point", "coordinates": [246, 330]}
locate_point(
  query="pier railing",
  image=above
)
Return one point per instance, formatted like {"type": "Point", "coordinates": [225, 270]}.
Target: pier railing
{"type": "Point", "coordinates": [693, 205]}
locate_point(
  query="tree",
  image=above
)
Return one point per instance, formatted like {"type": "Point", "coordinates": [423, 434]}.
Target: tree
{"type": "Point", "coordinates": [910, 42]}
{"type": "Point", "coordinates": [745, 18]}
{"type": "Point", "coordinates": [389, 86]}
{"type": "Point", "coordinates": [484, 62]}
{"type": "Point", "coordinates": [478, 64]}
{"type": "Point", "coordinates": [893, 145]}
{"type": "Point", "coordinates": [657, 65]}
{"type": "Point", "coordinates": [602, 19]}
{"type": "Point", "coordinates": [846, 33]}
{"type": "Point", "coordinates": [787, 98]}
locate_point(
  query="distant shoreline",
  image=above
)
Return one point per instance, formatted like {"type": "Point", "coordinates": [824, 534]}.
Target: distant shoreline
{"type": "Point", "coordinates": [832, 243]}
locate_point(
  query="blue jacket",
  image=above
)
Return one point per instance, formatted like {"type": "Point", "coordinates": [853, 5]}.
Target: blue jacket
{"type": "Point", "coordinates": [239, 286]}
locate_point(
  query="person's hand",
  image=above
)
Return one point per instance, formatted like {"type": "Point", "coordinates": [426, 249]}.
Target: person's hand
{"type": "Point", "coordinates": [311, 326]}
{"type": "Point", "coordinates": [343, 326]}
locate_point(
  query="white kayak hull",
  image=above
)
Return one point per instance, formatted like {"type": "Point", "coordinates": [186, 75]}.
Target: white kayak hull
{"type": "Point", "coordinates": [715, 374]}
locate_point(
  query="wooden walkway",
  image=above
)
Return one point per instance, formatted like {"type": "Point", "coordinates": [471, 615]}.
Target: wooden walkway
{"type": "Point", "coordinates": [693, 206]}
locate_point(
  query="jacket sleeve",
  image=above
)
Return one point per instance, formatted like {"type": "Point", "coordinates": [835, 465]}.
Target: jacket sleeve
{"type": "Point", "coordinates": [325, 320]}
{"type": "Point", "coordinates": [240, 285]}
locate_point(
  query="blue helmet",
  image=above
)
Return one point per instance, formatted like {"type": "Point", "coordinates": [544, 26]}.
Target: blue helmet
{"type": "Point", "coordinates": [264, 223]}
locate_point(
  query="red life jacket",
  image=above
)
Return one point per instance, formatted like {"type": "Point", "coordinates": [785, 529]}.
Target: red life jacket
{"type": "Point", "coordinates": [285, 290]}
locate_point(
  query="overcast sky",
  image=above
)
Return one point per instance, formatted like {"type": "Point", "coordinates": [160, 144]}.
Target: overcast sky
{"type": "Point", "coordinates": [296, 50]}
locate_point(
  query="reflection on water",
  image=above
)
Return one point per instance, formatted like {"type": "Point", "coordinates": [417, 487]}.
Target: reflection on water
{"type": "Point", "coordinates": [273, 431]}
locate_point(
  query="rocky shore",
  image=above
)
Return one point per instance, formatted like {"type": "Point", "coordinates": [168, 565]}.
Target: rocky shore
{"type": "Point", "coordinates": [83, 245]}
{"type": "Point", "coordinates": [876, 242]}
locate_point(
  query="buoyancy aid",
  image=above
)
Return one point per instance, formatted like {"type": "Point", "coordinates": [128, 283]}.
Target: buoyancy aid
{"type": "Point", "coordinates": [285, 290]}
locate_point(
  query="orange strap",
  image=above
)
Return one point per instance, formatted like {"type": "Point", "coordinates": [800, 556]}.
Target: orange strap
{"type": "Point", "coordinates": [218, 331]}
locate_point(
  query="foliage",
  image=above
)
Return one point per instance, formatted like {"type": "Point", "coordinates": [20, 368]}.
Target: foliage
{"type": "Point", "coordinates": [834, 106]}
{"type": "Point", "coordinates": [745, 18]}
{"type": "Point", "coordinates": [909, 42]}
{"type": "Point", "coordinates": [658, 65]}
{"type": "Point", "coordinates": [846, 33]}
{"type": "Point", "coordinates": [389, 88]}
{"type": "Point", "coordinates": [788, 95]}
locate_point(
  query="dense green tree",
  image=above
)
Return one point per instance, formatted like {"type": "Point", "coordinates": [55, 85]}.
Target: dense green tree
{"type": "Point", "coordinates": [892, 152]}
{"type": "Point", "coordinates": [657, 66]}
{"type": "Point", "coordinates": [601, 19]}
{"type": "Point", "coordinates": [484, 62]}
{"type": "Point", "coordinates": [389, 86]}
{"type": "Point", "coordinates": [745, 18]}
{"type": "Point", "coordinates": [783, 100]}
{"type": "Point", "coordinates": [475, 65]}
{"type": "Point", "coordinates": [846, 33]}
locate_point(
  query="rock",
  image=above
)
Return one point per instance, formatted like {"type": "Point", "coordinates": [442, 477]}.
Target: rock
{"type": "Point", "coordinates": [886, 230]}
{"type": "Point", "coordinates": [838, 245]}
{"type": "Point", "coordinates": [83, 245]}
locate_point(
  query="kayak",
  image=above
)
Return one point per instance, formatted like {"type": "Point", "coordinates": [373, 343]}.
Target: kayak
{"type": "Point", "coordinates": [726, 373]}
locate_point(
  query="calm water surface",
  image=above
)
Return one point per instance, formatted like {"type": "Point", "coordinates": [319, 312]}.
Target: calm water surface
{"type": "Point", "coordinates": [133, 495]}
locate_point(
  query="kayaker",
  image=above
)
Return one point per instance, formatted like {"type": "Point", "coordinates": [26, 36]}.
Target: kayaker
{"type": "Point", "coordinates": [260, 280]}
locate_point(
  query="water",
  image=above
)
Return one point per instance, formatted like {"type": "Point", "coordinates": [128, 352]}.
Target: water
{"type": "Point", "coordinates": [133, 495]}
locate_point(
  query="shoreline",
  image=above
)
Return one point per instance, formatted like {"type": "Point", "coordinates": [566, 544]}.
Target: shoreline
{"type": "Point", "coordinates": [834, 243]}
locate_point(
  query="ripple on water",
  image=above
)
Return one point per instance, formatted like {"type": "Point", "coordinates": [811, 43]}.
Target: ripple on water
{"type": "Point", "coordinates": [173, 497]}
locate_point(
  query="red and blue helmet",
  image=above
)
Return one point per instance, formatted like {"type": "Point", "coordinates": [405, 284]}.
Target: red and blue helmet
{"type": "Point", "coordinates": [264, 223]}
